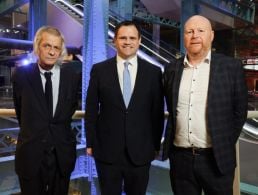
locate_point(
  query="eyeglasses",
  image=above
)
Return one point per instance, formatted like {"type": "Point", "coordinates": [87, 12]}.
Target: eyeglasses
{"type": "Point", "coordinates": [48, 47]}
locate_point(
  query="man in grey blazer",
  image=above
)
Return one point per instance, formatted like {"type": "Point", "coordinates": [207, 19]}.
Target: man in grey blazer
{"type": "Point", "coordinates": [124, 135]}
{"type": "Point", "coordinates": [206, 99]}
{"type": "Point", "coordinates": [46, 148]}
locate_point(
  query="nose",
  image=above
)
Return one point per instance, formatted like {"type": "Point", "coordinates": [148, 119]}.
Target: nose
{"type": "Point", "coordinates": [196, 33]}
{"type": "Point", "coordinates": [51, 51]}
{"type": "Point", "coordinates": [127, 41]}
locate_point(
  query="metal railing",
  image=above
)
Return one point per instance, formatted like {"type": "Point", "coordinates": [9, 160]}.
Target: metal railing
{"type": "Point", "coordinates": [11, 113]}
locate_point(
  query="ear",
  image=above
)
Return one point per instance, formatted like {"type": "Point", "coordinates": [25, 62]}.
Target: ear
{"type": "Point", "coordinates": [114, 39]}
{"type": "Point", "coordinates": [140, 39]}
{"type": "Point", "coordinates": [212, 35]}
{"type": "Point", "coordinates": [36, 52]}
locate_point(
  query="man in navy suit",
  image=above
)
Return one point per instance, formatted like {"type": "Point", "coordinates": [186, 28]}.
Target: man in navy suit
{"type": "Point", "coordinates": [46, 149]}
{"type": "Point", "coordinates": [124, 136]}
{"type": "Point", "coordinates": [206, 98]}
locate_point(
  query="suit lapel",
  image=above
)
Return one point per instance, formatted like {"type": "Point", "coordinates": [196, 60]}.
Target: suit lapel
{"type": "Point", "coordinates": [212, 81]}
{"type": "Point", "coordinates": [139, 81]}
{"type": "Point", "coordinates": [36, 83]}
{"type": "Point", "coordinates": [61, 91]}
{"type": "Point", "coordinates": [176, 84]}
{"type": "Point", "coordinates": [115, 85]}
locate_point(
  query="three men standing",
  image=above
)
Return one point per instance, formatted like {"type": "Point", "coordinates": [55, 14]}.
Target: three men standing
{"type": "Point", "coordinates": [206, 98]}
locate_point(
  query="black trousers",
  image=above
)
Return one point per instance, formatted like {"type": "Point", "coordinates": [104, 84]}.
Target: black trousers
{"type": "Point", "coordinates": [49, 180]}
{"type": "Point", "coordinates": [121, 176]}
{"type": "Point", "coordinates": [193, 173]}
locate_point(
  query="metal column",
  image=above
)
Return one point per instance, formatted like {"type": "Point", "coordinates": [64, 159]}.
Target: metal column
{"type": "Point", "coordinates": [37, 16]}
{"type": "Point", "coordinates": [95, 31]}
{"type": "Point", "coordinates": [125, 9]}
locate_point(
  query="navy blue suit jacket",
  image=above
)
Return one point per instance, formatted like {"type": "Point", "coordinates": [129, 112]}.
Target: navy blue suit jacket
{"type": "Point", "coordinates": [111, 127]}
{"type": "Point", "coordinates": [35, 123]}
{"type": "Point", "coordinates": [226, 109]}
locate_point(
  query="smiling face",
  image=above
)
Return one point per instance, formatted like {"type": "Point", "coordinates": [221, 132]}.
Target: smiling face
{"type": "Point", "coordinates": [127, 41]}
{"type": "Point", "coordinates": [198, 37]}
{"type": "Point", "coordinates": [49, 50]}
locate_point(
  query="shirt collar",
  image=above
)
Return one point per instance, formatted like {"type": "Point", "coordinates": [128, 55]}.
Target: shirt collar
{"type": "Point", "coordinates": [206, 60]}
{"type": "Point", "coordinates": [53, 70]}
{"type": "Point", "coordinates": [131, 61]}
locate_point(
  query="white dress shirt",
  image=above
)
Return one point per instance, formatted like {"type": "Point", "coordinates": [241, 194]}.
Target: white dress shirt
{"type": "Point", "coordinates": [55, 78]}
{"type": "Point", "coordinates": [133, 65]}
{"type": "Point", "coordinates": [191, 120]}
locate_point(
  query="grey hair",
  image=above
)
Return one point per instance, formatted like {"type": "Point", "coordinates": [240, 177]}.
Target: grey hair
{"type": "Point", "coordinates": [53, 31]}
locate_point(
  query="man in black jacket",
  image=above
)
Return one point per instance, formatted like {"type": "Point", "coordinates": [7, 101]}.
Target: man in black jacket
{"type": "Point", "coordinates": [124, 133]}
{"type": "Point", "coordinates": [46, 149]}
{"type": "Point", "coordinates": [206, 98]}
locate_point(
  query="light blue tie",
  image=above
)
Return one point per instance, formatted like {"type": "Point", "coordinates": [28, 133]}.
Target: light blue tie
{"type": "Point", "coordinates": [126, 84]}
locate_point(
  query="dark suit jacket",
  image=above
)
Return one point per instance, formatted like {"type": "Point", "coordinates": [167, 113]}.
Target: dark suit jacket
{"type": "Point", "coordinates": [226, 109]}
{"type": "Point", "coordinates": [110, 127]}
{"type": "Point", "coordinates": [35, 124]}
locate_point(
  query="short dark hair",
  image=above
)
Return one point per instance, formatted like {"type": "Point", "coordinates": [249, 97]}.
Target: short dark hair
{"type": "Point", "coordinates": [127, 23]}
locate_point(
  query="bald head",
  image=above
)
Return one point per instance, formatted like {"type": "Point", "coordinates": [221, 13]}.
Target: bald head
{"type": "Point", "coordinates": [198, 19]}
{"type": "Point", "coordinates": [198, 37]}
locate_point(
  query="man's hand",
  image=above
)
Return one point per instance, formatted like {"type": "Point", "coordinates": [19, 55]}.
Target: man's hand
{"type": "Point", "coordinates": [89, 151]}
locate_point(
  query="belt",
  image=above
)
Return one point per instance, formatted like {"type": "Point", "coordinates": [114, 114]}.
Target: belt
{"type": "Point", "coordinates": [195, 150]}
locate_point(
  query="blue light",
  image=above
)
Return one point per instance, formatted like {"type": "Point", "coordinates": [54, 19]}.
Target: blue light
{"type": "Point", "coordinates": [30, 58]}
{"type": "Point", "coordinates": [25, 62]}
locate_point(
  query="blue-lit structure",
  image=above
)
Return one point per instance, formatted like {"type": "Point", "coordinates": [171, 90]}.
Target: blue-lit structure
{"type": "Point", "coordinates": [94, 50]}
